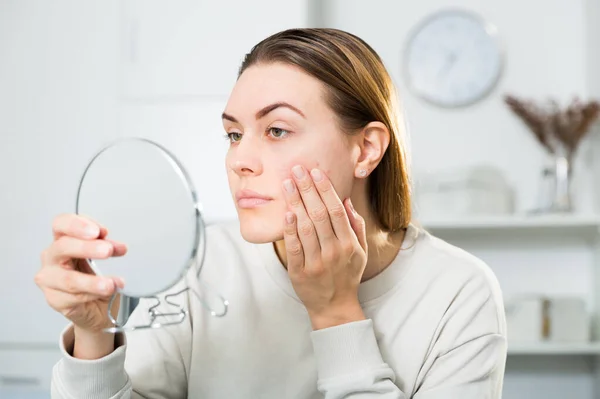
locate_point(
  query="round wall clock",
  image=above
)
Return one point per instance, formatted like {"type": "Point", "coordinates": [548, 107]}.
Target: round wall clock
{"type": "Point", "coordinates": [453, 58]}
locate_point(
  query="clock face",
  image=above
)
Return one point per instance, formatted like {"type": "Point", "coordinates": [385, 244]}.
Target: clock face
{"type": "Point", "coordinates": [453, 59]}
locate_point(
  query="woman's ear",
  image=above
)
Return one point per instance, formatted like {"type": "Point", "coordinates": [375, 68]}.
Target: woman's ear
{"type": "Point", "coordinates": [374, 141]}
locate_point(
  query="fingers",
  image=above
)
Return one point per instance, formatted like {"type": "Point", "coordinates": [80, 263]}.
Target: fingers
{"type": "Point", "coordinates": [67, 247]}
{"type": "Point", "coordinates": [77, 226]}
{"type": "Point", "coordinates": [357, 223]}
{"type": "Point", "coordinates": [315, 209]}
{"type": "Point", "coordinates": [293, 246]}
{"type": "Point", "coordinates": [335, 208]}
{"type": "Point", "coordinates": [305, 227]}
{"type": "Point", "coordinates": [321, 220]}
{"type": "Point", "coordinates": [75, 282]}
{"type": "Point", "coordinates": [119, 249]}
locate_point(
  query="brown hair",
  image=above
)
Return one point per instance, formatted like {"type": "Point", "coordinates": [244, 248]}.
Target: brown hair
{"type": "Point", "coordinates": [359, 91]}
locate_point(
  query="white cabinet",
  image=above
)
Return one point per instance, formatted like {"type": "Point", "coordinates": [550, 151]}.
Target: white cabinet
{"type": "Point", "coordinates": [193, 132]}
{"type": "Point", "coordinates": [57, 105]}
{"type": "Point", "coordinates": [26, 373]}
{"type": "Point", "coordinates": [193, 48]}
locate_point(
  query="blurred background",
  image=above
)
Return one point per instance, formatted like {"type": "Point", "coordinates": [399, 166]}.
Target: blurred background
{"type": "Point", "coordinates": [499, 100]}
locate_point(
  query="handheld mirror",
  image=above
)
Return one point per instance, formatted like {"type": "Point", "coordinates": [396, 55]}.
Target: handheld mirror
{"type": "Point", "coordinates": [145, 198]}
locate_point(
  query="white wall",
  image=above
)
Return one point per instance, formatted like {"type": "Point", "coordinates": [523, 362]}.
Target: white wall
{"type": "Point", "coordinates": [544, 57]}
{"type": "Point", "coordinates": [592, 29]}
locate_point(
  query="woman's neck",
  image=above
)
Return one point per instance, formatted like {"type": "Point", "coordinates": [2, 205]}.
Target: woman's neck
{"type": "Point", "coordinates": [383, 246]}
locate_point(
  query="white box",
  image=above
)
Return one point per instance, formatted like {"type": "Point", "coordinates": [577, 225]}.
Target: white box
{"type": "Point", "coordinates": [569, 320]}
{"type": "Point", "coordinates": [525, 320]}
{"type": "Point", "coordinates": [478, 190]}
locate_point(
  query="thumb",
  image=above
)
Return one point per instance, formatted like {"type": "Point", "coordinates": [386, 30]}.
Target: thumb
{"type": "Point", "coordinates": [358, 224]}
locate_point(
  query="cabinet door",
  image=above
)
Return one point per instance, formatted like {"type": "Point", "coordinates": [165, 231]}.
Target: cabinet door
{"type": "Point", "coordinates": [57, 107]}
{"type": "Point", "coordinates": [190, 48]}
{"type": "Point", "coordinates": [26, 373]}
{"type": "Point", "coordinates": [193, 132]}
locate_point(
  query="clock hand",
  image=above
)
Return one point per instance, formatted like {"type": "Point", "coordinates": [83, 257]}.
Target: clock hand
{"type": "Point", "coordinates": [454, 56]}
{"type": "Point", "coordinates": [450, 61]}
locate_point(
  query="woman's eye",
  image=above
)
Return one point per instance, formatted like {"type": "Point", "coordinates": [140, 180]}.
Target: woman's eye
{"type": "Point", "coordinates": [233, 137]}
{"type": "Point", "coordinates": [277, 132]}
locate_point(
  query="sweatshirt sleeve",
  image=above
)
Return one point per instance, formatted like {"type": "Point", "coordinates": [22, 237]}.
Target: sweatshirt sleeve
{"type": "Point", "coordinates": [350, 365]}
{"type": "Point", "coordinates": [466, 359]}
{"type": "Point", "coordinates": [468, 355]}
{"type": "Point", "coordinates": [147, 363]}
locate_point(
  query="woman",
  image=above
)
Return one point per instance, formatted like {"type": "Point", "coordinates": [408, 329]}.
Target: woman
{"type": "Point", "coordinates": [334, 291]}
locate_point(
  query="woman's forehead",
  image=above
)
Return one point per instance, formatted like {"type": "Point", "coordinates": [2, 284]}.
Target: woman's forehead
{"type": "Point", "coordinates": [262, 85]}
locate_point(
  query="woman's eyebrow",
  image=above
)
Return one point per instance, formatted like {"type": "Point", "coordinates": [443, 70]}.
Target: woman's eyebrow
{"type": "Point", "coordinates": [229, 118]}
{"type": "Point", "coordinates": [263, 112]}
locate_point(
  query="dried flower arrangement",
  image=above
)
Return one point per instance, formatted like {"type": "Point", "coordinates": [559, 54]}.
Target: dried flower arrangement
{"type": "Point", "coordinates": [560, 132]}
{"type": "Point", "coordinates": [553, 127]}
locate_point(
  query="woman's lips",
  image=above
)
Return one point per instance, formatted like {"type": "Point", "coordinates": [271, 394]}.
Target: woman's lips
{"type": "Point", "coordinates": [247, 203]}
{"type": "Point", "coordinates": [251, 199]}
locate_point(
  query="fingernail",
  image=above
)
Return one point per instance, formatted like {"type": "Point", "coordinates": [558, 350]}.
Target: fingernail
{"type": "Point", "coordinates": [298, 171]}
{"type": "Point", "coordinates": [316, 174]}
{"type": "Point", "coordinates": [91, 231]}
{"type": "Point", "coordinates": [103, 286]}
{"type": "Point", "coordinates": [289, 185]}
{"type": "Point", "coordinates": [103, 248]}
{"type": "Point", "coordinates": [120, 282]}
{"type": "Point", "coordinates": [289, 217]}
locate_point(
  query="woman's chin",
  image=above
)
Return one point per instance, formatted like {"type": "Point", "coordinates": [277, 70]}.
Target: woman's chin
{"type": "Point", "coordinates": [260, 230]}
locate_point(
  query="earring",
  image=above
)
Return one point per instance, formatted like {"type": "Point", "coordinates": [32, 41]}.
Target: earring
{"type": "Point", "coordinates": [363, 172]}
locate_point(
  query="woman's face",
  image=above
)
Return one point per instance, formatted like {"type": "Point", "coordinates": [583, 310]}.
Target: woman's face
{"type": "Point", "coordinates": [276, 118]}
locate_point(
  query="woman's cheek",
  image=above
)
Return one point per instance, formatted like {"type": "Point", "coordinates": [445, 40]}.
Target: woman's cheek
{"type": "Point", "coordinates": [285, 169]}
{"type": "Point", "coordinates": [308, 156]}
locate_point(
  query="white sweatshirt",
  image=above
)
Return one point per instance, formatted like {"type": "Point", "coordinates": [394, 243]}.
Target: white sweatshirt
{"type": "Point", "coordinates": [435, 329]}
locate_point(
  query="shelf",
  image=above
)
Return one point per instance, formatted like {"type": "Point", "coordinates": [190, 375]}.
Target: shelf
{"type": "Point", "coordinates": [581, 224]}
{"type": "Point", "coordinates": [590, 348]}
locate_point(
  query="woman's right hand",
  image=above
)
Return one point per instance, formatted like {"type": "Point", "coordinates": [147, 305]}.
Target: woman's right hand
{"type": "Point", "coordinates": [67, 281]}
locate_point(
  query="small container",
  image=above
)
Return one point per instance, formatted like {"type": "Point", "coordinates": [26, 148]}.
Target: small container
{"type": "Point", "coordinates": [526, 321]}
{"type": "Point", "coordinates": [537, 318]}
{"type": "Point", "coordinates": [569, 320]}
{"type": "Point", "coordinates": [478, 190]}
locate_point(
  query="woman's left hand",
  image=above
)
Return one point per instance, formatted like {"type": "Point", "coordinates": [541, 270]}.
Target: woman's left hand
{"type": "Point", "coordinates": [326, 249]}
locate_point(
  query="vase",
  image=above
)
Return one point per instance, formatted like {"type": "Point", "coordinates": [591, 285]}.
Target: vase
{"type": "Point", "coordinates": [556, 191]}
{"type": "Point", "coordinates": [562, 199]}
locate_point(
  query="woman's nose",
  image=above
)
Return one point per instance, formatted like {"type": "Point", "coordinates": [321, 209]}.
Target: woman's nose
{"type": "Point", "coordinates": [246, 160]}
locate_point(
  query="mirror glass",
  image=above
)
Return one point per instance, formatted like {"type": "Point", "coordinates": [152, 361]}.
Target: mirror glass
{"type": "Point", "coordinates": [140, 192]}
